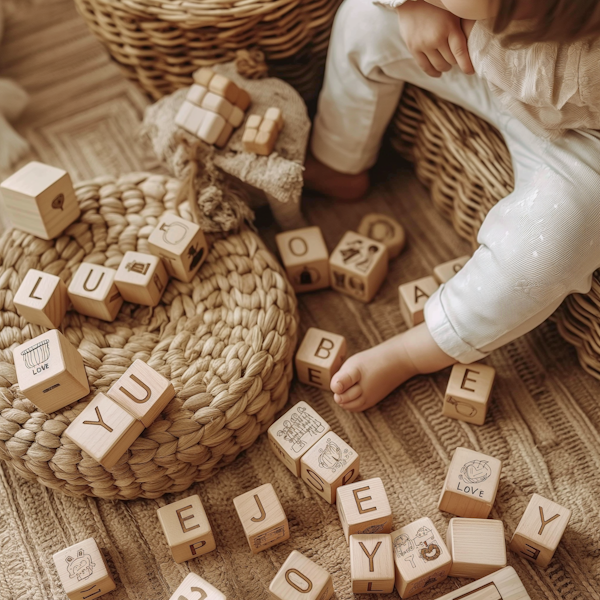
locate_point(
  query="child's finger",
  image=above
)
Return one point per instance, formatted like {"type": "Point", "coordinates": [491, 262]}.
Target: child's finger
{"type": "Point", "coordinates": [458, 45]}
{"type": "Point", "coordinates": [438, 61]}
{"type": "Point", "coordinates": [445, 51]}
{"type": "Point", "coordinates": [424, 63]}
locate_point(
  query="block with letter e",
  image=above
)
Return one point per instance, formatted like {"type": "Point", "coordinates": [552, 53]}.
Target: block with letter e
{"type": "Point", "coordinates": [319, 357]}
{"type": "Point", "coordinates": [468, 393]}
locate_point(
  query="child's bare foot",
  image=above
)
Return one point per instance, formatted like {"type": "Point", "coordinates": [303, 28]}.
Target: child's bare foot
{"type": "Point", "coordinates": [341, 186]}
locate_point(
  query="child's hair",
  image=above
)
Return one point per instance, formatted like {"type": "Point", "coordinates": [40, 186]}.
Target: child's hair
{"type": "Point", "coordinates": [555, 21]}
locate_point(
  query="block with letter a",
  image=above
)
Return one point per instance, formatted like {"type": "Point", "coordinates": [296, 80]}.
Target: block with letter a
{"type": "Point", "coordinates": [301, 579]}
{"type": "Point", "coordinates": [413, 297]}
{"type": "Point", "coordinates": [193, 587]}
{"type": "Point", "coordinates": [186, 528]}
{"type": "Point", "coordinates": [372, 563]}
{"type": "Point", "coordinates": [468, 393]}
{"type": "Point", "coordinates": [319, 357]}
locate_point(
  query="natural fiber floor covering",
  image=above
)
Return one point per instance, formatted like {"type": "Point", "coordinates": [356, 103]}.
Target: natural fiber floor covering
{"type": "Point", "coordinates": [543, 424]}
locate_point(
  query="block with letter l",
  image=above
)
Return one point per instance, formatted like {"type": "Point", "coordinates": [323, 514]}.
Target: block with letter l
{"type": "Point", "coordinates": [42, 299]}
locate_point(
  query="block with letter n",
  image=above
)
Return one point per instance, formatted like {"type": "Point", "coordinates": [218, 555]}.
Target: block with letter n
{"type": "Point", "coordinates": [319, 357]}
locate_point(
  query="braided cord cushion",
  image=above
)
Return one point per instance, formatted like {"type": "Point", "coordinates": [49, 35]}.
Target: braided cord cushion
{"type": "Point", "coordinates": [466, 164]}
{"type": "Point", "coordinates": [225, 341]}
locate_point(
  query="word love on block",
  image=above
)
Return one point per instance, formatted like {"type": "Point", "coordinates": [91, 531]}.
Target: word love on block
{"type": "Point", "coordinates": [141, 278]}
{"type": "Point", "coordinates": [358, 266]}
{"type": "Point", "coordinates": [540, 530]}
{"type": "Point", "coordinates": [42, 299]}
{"type": "Point", "coordinates": [50, 371]}
{"type": "Point", "coordinates": [181, 244]}
{"type": "Point", "coordinates": [501, 585]}
{"type": "Point", "coordinates": [468, 393]}
{"type": "Point", "coordinates": [372, 564]}
{"type": "Point", "coordinates": [386, 230]}
{"type": "Point", "coordinates": [40, 199]}
{"type": "Point", "coordinates": [193, 587]}
{"type": "Point", "coordinates": [301, 579]}
{"type": "Point", "coordinates": [471, 484]}
{"type": "Point", "coordinates": [305, 258]}
{"type": "Point", "coordinates": [413, 297]}
{"type": "Point", "coordinates": [262, 517]}
{"type": "Point", "coordinates": [363, 507]}
{"type": "Point", "coordinates": [261, 133]}
{"type": "Point", "coordinates": [93, 292]}
{"type": "Point", "coordinates": [186, 528]}
{"type": "Point", "coordinates": [295, 433]}
{"type": "Point", "coordinates": [83, 571]}
{"type": "Point", "coordinates": [320, 357]}
{"type": "Point", "coordinates": [446, 271]}
{"type": "Point", "coordinates": [421, 557]}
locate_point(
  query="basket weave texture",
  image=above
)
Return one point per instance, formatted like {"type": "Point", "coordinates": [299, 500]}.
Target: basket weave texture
{"type": "Point", "coordinates": [467, 166]}
{"type": "Point", "coordinates": [225, 341]}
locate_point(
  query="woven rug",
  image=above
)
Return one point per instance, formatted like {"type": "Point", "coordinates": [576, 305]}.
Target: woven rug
{"type": "Point", "coordinates": [543, 424]}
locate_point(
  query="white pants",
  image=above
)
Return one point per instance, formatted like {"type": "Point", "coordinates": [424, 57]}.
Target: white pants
{"type": "Point", "coordinates": [537, 245]}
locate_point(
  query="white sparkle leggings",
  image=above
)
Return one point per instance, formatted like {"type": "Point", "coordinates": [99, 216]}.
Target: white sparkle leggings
{"type": "Point", "coordinates": [537, 245]}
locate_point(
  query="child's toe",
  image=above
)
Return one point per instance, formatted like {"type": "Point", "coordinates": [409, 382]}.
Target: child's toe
{"type": "Point", "coordinates": [344, 379]}
{"type": "Point", "coordinates": [352, 394]}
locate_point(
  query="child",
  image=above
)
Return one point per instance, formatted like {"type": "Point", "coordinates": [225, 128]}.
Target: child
{"type": "Point", "coordinates": [541, 88]}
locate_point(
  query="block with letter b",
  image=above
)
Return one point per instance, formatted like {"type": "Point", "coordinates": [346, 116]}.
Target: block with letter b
{"type": "Point", "coordinates": [141, 278]}
{"type": "Point", "coordinates": [193, 587]}
{"type": "Point", "coordinates": [93, 292]}
{"type": "Point", "coordinates": [372, 563]}
{"type": "Point", "coordinates": [468, 393]}
{"type": "Point", "coordinates": [448, 270]}
{"type": "Point", "coordinates": [413, 297]}
{"type": "Point", "coordinates": [301, 579]}
{"type": "Point", "coordinates": [42, 299]}
{"type": "Point", "coordinates": [320, 357]}
{"type": "Point", "coordinates": [186, 528]}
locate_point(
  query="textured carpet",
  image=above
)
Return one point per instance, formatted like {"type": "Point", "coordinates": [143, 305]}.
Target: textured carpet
{"type": "Point", "coordinates": [543, 423]}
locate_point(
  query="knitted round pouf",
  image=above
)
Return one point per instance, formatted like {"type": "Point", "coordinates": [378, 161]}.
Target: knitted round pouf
{"type": "Point", "coordinates": [225, 341]}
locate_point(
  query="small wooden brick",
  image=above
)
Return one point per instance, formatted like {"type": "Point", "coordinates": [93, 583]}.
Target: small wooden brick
{"type": "Point", "coordinates": [320, 357]}
{"type": "Point", "coordinates": [183, 113]}
{"type": "Point", "coordinates": [413, 296]}
{"type": "Point", "coordinates": [42, 299]}
{"type": "Point", "coordinates": [301, 579]}
{"type": "Point", "coordinates": [190, 117]}
{"type": "Point", "coordinates": [249, 139]}
{"type": "Point", "coordinates": [276, 116]}
{"type": "Point", "coordinates": [363, 507]}
{"type": "Point", "coordinates": [225, 135]}
{"type": "Point", "coordinates": [372, 563]}
{"type": "Point", "coordinates": [203, 76]}
{"type": "Point", "coordinates": [141, 278]}
{"type": "Point", "coordinates": [540, 530]}
{"type": "Point", "coordinates": [265, 142]}
{"type": "Point", "coordinates": [217, 104]}
{"type": "Point", "coordinates": [186, 528]}
{"type": "Point", "coordinates": [448, 270]}
{"type": "Point", "coordinates": [236, 118]}
{"type": "Point", "coordinates": [211, 128]}
{"type": "Point", "coordinates": [93, 292]}
{"type": "Point", "coordinates": [471, 484]}
{"type": "Point", "coordinates": [468, 393]}
{"type": "Point", "coordinates": [262, 517]}
{"type": "Point", "coordinates": [222, 86]}
{"type": "Point", "coordinates": [386, 230]}
{"type": "Point", "coordinates": [196, 94]}
{"type": "Point", "coordinates": [501, 585]}
{"type": "Point", "coordinates": [83, 571]}
{"type": "Point", "coordinates": [50, 371]}
{"type": "Point", "coordinates": [193, 587]}
{"type": "Point", "coordinates": [243, 100]}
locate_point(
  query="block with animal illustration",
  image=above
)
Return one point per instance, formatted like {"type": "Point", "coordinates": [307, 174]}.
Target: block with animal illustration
{"type": "Point", "coordinates": [300, 578]}
{"type": "Point", "coordinates": [262, 518]}
{"type": "Point", "coordinates": [446, 271]}
{"type": "Point", "coordinates": [372, 563]}
{"type": "Point", "coordinates": [413, 297]}
{"type": "Point", "coordinates": [93, 292]}
{"type": "Point", "coordinates": [501, 585]}
{"type": "Point", "coordinates": [293, 434]}
{"type": "Point", "coordinates": [471, 484]}
{"type": "Point", "coordinates": [83, 571]}
{"type": "Point", "coordinates": [358, 266]}
{"type": "Point", "coordinates": [193, 587]}
{"type": "Point", "coordinates": [42, 299]}
{"type": "Point", "coordinates": [320, 357]}
{"type": "Point", "coordinates": [540, 530]}
{"type": "Point", "coordinates": [421, 557]}
{"type": "Point", "coordinates": [384, 229]}
{"type": "Point", "coordinates": [50, 371]}
{"type": "Point", "coordinates": [141, 278]}
{"type": "Point", "coordinates": [186, 528]}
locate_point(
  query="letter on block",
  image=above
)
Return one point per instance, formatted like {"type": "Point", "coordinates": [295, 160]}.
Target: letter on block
{"type": "Point", "coordinates": [104, 430]}
{"type": "Point", "coordinates": [471, 484]}
{"type": "Point", "coordinates": [293, 434]}
{"type": "Point", "coordinates": [448, 270]}
{"type": "Point", "coordinates": [193, 587]}
{"type": "Point", "coordinates": [42, 299]}
{"type": "Point", "coordinates": [83, 571]}
{"type": "Point", "coordinates": [93, 292]}
{"type": "Point", "coordinates": [262, 517]}
{"type": "Point", "coordinates": [386, 230]}
{"type": "Point", "coordinates": [477, 547]}
{"type": "Point", "coordinates": [50, 371]}
{"type": "Point", "coordinates": [319, 357]}
{"type": "Point", "coordinates": [329, 464]}
{"type": "Point", "coordinates": [186, 528]}
{"type": "Point", "coordinates": [40, 199]}
{"type": "Point", "coordinates": [358, 266]}
{"type": "Point", "coordinates": [413, 296]}
{"type": "Point", "coordinates": [468, 392]}
{"type": "Point", "coordinates": [540, 530]}
{"type": "Point", "coordinates": [181, 244]}
{"type": "Point", "coordinates": [372, 563]}
{"type": "Point", "coordinates": [141, 278]}
{"type": "Point", "coordinates": [363, 507]}
{"type": "Point", "coordinates": [305, 258]}
{"type": "Point", "coordinates": [301, 579]}
{"type": "Point", "coordinates": [421, 557]}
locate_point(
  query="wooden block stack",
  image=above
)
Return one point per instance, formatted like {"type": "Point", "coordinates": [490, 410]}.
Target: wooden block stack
{"type": "Point", "coordinates": [261, 133]}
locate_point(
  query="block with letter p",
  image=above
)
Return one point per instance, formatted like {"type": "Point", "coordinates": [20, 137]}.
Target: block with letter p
{"type": "Point", "coordinates": [301, 579]}
{"type": "Point", "coordinates": [319, 357]}
{"type": "Point", "coordinates": [468, 393]}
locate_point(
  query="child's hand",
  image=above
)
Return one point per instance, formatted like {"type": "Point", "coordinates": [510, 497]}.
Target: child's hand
{"type": "Point", "coordinates": [434, 37]}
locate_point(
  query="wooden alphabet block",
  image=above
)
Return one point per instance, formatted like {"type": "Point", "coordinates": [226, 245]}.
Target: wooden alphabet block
{"type": "Point", "coordinates": [305, 257]}
{"type": "Point", "coordinates": [222, 86]}
{"type": "Point", "coordinates": [301, 579]}
{"type": "Point", "coordinates": [203, 76]}
{"type": "Point", "coordinates": [421, 557]}
{"type": "Point", "coordinates": [104, 430]}
{"type": "Point", "coordinates": [93, 292]}
{"type": "Point", "coordinates": [448, 270]}
{"type": "Point", "coordinates": [540, 530]}
{"type": "Point", "coordinates": [83, 571]}
{"type": "Point", "coordinates": [275, 116]}
{"type": "Point", "coordinates": [50, 371]}
{"type": "Point", "coordinates": [320, 357]}
{"type": "Point", "coordinates": [477, 547]}
{"type": "Point", "coordinates": [196, 94]}
{"type": "Point", "coordinates": [413, 297]}
{"type": "Point", "coordinates": [293, 434]}
{"type": "Point", "coordinates": [217, 104]}
{"type": "Point", "coordinates": [363, 507]}
{"type": "Point", "coordinates": [181, 244]}
{"type": "Point", "coordinates": [193, 587]}
{"type": "Point", "coordinates": [141, 278]}
{"type": "Point", "coordinates": [262, 517]}
{"type": "Point", "coordinates": [358, 266]}
{"type": "Point", "coordinates": [372, 563]}
{"type": "Point", "coordinates": [243, 100]}
{"type": "Point", "coordinates": [42, 299]}
{"type": "Point", "coordinates": [386, 230]}
{"type": "Point", "coordinates": [468, 393]}
{"type": "Point", "coordinates": [186, 528]}
{"type": "Point", "coordinates": [471, 484]}
{"type": "Point", "coordinates": [501, 585]}
{"type": "Point", "coordinates": [40, 199]}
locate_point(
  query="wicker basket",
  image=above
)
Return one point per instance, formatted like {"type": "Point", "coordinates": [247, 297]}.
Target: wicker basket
{"type": "Point", "coordinates": [159, 43]}
{"type": "Point", "coordinates": [225, 340]}
{"type": "Point", "coordinates": [466, 164]}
